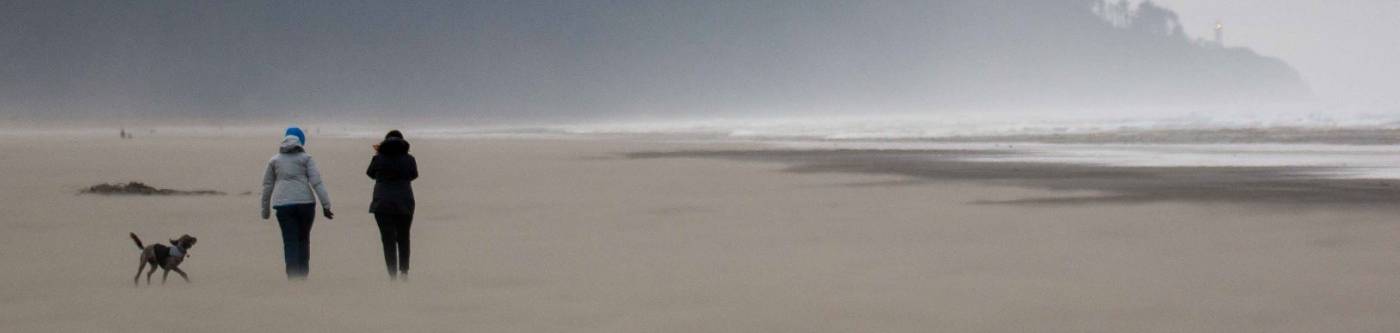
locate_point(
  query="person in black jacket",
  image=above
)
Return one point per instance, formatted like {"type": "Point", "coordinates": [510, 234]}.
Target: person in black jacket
{"type": "Point", "coordinates": [393, 171]}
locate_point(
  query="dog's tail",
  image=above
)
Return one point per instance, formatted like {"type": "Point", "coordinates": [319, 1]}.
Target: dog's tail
{"type": "Point", "coordinates": [138, 241]}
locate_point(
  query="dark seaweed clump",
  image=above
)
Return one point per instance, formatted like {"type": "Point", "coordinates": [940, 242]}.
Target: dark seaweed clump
{"type": "Point", "coordinates": [138, 188]}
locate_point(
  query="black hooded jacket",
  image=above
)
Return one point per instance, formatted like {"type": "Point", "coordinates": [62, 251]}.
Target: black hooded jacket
{"type": "Point", "coordinates": [393, 170]}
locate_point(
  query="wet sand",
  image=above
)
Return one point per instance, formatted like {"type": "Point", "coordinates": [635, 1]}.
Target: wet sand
{"type": "Point", "coordinates": [1290, 135]}
{"type": "Point", "coordinates": [578, 235]}
{"type": "Point", "coordinates": [1288, 186]}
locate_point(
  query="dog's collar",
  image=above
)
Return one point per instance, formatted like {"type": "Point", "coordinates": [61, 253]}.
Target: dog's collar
{"type": "Point", "coordinates": [175, 251]}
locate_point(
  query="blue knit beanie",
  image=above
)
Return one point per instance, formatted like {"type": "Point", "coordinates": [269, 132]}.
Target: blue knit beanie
{"type": "Point", "coordinates": [296, 131]}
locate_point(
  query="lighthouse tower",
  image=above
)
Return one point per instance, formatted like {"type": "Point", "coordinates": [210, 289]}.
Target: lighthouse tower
{"type": "Point", "coordinates": [1219, 34]}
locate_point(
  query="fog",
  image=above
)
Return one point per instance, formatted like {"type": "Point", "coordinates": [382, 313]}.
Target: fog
{"type": "Point", "coordinates": [474, 62]}
{"type": "Point", "coordinates": [1346, 50]}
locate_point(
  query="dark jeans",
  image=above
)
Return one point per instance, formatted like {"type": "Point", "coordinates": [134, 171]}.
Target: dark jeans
{"type": "Point", "coordinates": [295, 221]}
{"type": "Point", "coordinates": [393, 232]}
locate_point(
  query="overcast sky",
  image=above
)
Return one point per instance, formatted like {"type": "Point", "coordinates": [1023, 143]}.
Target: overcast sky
{"type": "Point", "coordinates": [569, 60]}
{"type": "Point", "coordinates": [1348, 50]}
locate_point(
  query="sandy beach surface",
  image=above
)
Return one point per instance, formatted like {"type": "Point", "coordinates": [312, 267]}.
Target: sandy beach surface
{"type": "Point", "coordinates": [633, 235]}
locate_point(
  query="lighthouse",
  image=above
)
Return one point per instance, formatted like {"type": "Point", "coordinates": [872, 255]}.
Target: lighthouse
{"type": "Point", "coordinates": [1219, 34]}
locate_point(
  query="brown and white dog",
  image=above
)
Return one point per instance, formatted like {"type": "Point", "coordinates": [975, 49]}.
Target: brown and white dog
{"type": "Point", "coordinates": [167, 258]}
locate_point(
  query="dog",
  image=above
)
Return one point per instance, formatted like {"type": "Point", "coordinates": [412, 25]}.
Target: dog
{"type": "Point", "coordinates": [167, 258]}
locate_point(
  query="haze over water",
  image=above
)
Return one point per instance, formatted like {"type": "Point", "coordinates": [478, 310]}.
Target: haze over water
{"type": "Point", "coordinates": [541, 62]}
{"type": "Point", "coordinates": [1068, 75]}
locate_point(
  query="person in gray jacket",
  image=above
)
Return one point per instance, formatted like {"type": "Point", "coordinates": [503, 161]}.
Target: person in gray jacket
{"type": "Point", "coordinates": [292, 185]}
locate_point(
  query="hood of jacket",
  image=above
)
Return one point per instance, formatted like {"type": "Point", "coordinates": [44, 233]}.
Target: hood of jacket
{"type": "Point", "coordinates": [393, 146]}
{"type": "Point", "coordinates": [291, 144]}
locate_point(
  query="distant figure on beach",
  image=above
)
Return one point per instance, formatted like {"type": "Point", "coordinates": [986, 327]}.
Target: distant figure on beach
{"type": "Point", "coordinates": [293, 176]}
{"type": "Point", "coordinates": [393, 171]}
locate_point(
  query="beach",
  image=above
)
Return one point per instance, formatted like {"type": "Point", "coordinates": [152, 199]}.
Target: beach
{"type": "Point", "coordinates": [630, 234]}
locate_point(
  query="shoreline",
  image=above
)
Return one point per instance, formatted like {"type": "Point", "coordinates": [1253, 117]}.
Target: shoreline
{"type": "Point", "coordinates": [1380, 134]}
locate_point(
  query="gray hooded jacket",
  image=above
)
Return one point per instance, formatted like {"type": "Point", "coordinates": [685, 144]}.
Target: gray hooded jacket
{"type": "Point", "coordinates": [293, 174]}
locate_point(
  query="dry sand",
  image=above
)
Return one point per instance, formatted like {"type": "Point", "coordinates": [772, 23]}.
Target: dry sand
{"type": "Point", "coordinates": [574, 236]}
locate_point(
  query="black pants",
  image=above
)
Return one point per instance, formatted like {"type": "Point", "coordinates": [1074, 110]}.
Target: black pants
{"type": "Point", "coordinates": [393, 232]}
{"type": "Point", "coordinates": [295, 221]}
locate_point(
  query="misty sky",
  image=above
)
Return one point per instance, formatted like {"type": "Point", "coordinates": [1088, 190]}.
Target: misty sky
{"type": "Point", "coordinates": [473, 61]}
{"type": "Point", "coordinates": [1348, 50]}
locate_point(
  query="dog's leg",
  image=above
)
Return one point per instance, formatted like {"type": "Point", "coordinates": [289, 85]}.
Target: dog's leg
{"type": "Point", "coordinates": [149, 273]}
{"type": "Point", "coordinates": [137, 280]}
{"type": "Point", "coordinates": [164, 276]}
{"type": "Point", "coordinates": [182, 274]}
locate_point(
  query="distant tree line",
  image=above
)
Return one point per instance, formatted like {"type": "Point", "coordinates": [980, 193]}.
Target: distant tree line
{"type": "Point", "coordinates": [1146, 17]}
